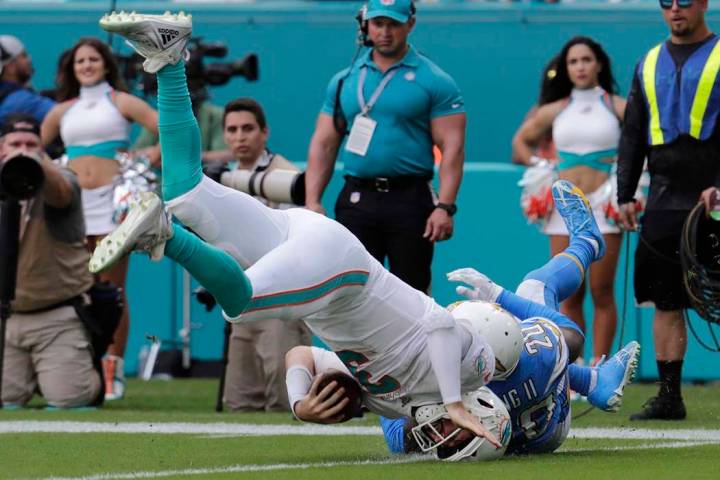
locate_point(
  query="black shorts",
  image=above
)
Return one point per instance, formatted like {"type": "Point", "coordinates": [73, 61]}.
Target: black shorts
{"type": "Point", "coordinates": [658, 274]}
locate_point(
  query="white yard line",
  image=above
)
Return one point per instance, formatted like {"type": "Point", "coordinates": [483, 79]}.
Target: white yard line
{"type": "Point", "coordinates": [303, 466]}
{"type": "Point", "coordinates": [240, 429]}
{"type": "Point", "coordinates": [681, 438]}
{"type": "Point", "coordinates": [244, 469]}
{"type": "Point", "coordinates": [642, 446]}
{"type": "Point", "coordinates": [646, 434]}
{"type": "Point", "coordinates": [244, 429]}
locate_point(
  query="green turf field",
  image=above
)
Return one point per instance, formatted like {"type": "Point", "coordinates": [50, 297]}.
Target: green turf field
{"type": "Point", "coordinates": [170, 430]}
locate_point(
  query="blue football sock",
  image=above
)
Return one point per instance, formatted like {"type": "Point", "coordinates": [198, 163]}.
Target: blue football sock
{"type": "Point", "coordinates": [564, 273]}
{"type": "Point", "coordinates": [582, 379]}
{"type": "Point", "coordinates": [213, 268]}
{"type": "Point", "coordinates": [583, 250]}
{"type": "Point", "coordinates": [561, 276]}
{"type": "Point", "coordinates": [180, 141]}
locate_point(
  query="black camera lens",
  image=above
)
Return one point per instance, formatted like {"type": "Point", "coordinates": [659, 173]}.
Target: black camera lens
{"type": "Point", "coordinates": [21, 177]}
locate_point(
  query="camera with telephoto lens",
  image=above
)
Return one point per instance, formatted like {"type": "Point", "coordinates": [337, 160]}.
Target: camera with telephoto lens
{"type": "Point", "coordinates": [199, 74]}
{"type": "Point", "coordinates": [21, 176]}
{"type": "Point", "coordinates": [216, 73]}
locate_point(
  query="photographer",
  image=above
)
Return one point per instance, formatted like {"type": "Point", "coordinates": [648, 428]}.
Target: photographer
{"type": "Point", "coordinates": [255, 376]}
{"type": "Point", "coordinates": [47, 345]}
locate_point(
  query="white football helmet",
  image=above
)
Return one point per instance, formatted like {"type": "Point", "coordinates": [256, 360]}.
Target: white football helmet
{"type": "Point", "coordinates": [486, 406]}
{"type": "Point", "coordinates": [499, 328]}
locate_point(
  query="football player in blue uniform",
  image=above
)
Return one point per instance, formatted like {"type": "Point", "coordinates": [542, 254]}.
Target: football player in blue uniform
{"type": "Point", "coordinates": [534, 385]}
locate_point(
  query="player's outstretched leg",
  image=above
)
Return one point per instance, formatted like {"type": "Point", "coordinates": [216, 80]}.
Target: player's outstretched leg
{"type": "Point", "coordinates": [564, 273]}
{"type": "Point", "coordinates": [604, 384]}
{"type": "Point", "coordinates": [161, 39]}
{"type": "Point", "coordinates": [560, 277]}
{"type": "Point", "coordinates": [147, 228]}
{"type": "Point", "coordinates": [211, 210]}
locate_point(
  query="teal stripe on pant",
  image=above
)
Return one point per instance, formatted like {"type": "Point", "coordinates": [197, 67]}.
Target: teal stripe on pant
{"type": "Point", "coordinates": [306, 295]}
{"type": "Point", "coordinates": [180, 141]}
{"type": "Point", "coordinates": [213, 268]}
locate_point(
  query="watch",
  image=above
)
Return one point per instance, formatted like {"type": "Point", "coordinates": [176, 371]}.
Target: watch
{"type": "Point", "coordinates": [450, 208]}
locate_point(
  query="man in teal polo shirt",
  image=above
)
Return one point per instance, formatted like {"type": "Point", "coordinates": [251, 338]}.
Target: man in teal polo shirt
{"type": "Point", "coordinates": [381, 118]}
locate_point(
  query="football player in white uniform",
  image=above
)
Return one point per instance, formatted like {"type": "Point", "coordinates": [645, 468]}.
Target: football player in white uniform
{"type": "Point", "coordinates": [289, 264]}
{"type": "Point", "coordinates": [533, 368]}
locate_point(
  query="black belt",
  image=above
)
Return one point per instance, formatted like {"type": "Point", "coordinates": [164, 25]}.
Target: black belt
{"type": "Point", "coordinates": [71, 302]}
{"type": "Point", "coordinates": [385, 184]}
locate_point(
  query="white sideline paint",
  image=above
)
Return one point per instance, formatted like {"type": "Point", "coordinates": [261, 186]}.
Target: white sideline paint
{"type": "Point", "coordinates": [246, 469]}
{"type": "Point", "coordinates": [304, 466]}
{"type": "Point", "coordinates": [642, 446]}
{"type": "Point", "coordinates": [239, 429]}
{"type": "Point", "coordinates": [646, 434]}
{"type": "Point", "coordinates": [244, 429]}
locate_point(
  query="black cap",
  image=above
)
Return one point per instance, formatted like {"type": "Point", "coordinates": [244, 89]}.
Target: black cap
{"type": "Point", "coordinates": [20, 122]}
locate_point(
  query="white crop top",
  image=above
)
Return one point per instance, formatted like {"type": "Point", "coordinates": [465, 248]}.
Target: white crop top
{"type": "Point", "coordinates": [94, 119]}
{"type": "Point", "coordinates": [587, 124]}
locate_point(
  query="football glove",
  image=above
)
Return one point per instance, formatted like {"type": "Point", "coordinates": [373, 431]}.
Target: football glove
{"type": "Point", "coordinates": [482, 287]}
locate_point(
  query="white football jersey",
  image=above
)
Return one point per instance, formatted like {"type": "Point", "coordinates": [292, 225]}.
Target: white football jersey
{"type": "Point", "coordinates": [375, 323]}
{"type": "Point", "coordinates": [303, 265]}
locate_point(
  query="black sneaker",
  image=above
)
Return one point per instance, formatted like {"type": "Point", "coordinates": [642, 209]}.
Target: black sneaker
{"type": "Point", "coordinates": [662, 408]}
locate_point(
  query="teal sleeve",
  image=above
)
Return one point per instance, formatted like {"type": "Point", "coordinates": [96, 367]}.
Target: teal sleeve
{"type": "Point", "coordinates": [446, 97]}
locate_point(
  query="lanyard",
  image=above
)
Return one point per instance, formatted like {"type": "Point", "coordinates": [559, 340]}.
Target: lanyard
{"type": "Point", "coordinates": [366, 107]}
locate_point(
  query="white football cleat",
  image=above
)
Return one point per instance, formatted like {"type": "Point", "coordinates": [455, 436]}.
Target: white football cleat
{"type": "Point", "coordinates": [161, 39]}
{"type": "Point", "coordinates": [146, 228]}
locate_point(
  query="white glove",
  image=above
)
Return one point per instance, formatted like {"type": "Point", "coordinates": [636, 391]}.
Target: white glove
{"type": "Point", "coordinates": [483, 288]}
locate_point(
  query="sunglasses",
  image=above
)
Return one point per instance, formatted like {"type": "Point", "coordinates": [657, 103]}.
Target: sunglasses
{"type": "Point", "coordinates": [667, 4]}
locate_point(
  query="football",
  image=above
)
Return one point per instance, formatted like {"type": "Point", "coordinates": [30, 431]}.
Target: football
{"type": "Point", "coordinates": [352, 391]}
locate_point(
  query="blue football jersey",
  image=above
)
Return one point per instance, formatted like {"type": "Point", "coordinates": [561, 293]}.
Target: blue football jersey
{"type": "Point", "coordinates": [535, 394]}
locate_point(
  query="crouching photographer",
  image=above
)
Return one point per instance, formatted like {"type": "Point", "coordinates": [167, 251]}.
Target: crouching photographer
{"type": "Point", "coordinates": [46, 287]}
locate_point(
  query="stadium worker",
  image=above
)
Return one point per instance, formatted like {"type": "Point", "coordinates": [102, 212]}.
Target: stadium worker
{"type": "Point", "coordinates": [381, 118]}
{"type": "Point", "coordinates": [47, 346]}
{"type": "Point", "coordinates": [539, 368]}
{"type": "Point", "coordinates": [672, 119]}
{"type": "Point", "coordinates": [290, 264]}
{"type": "Point", "coordinates": [16, 70]}
{"type": "Point", "coordinates": [255, 376]}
